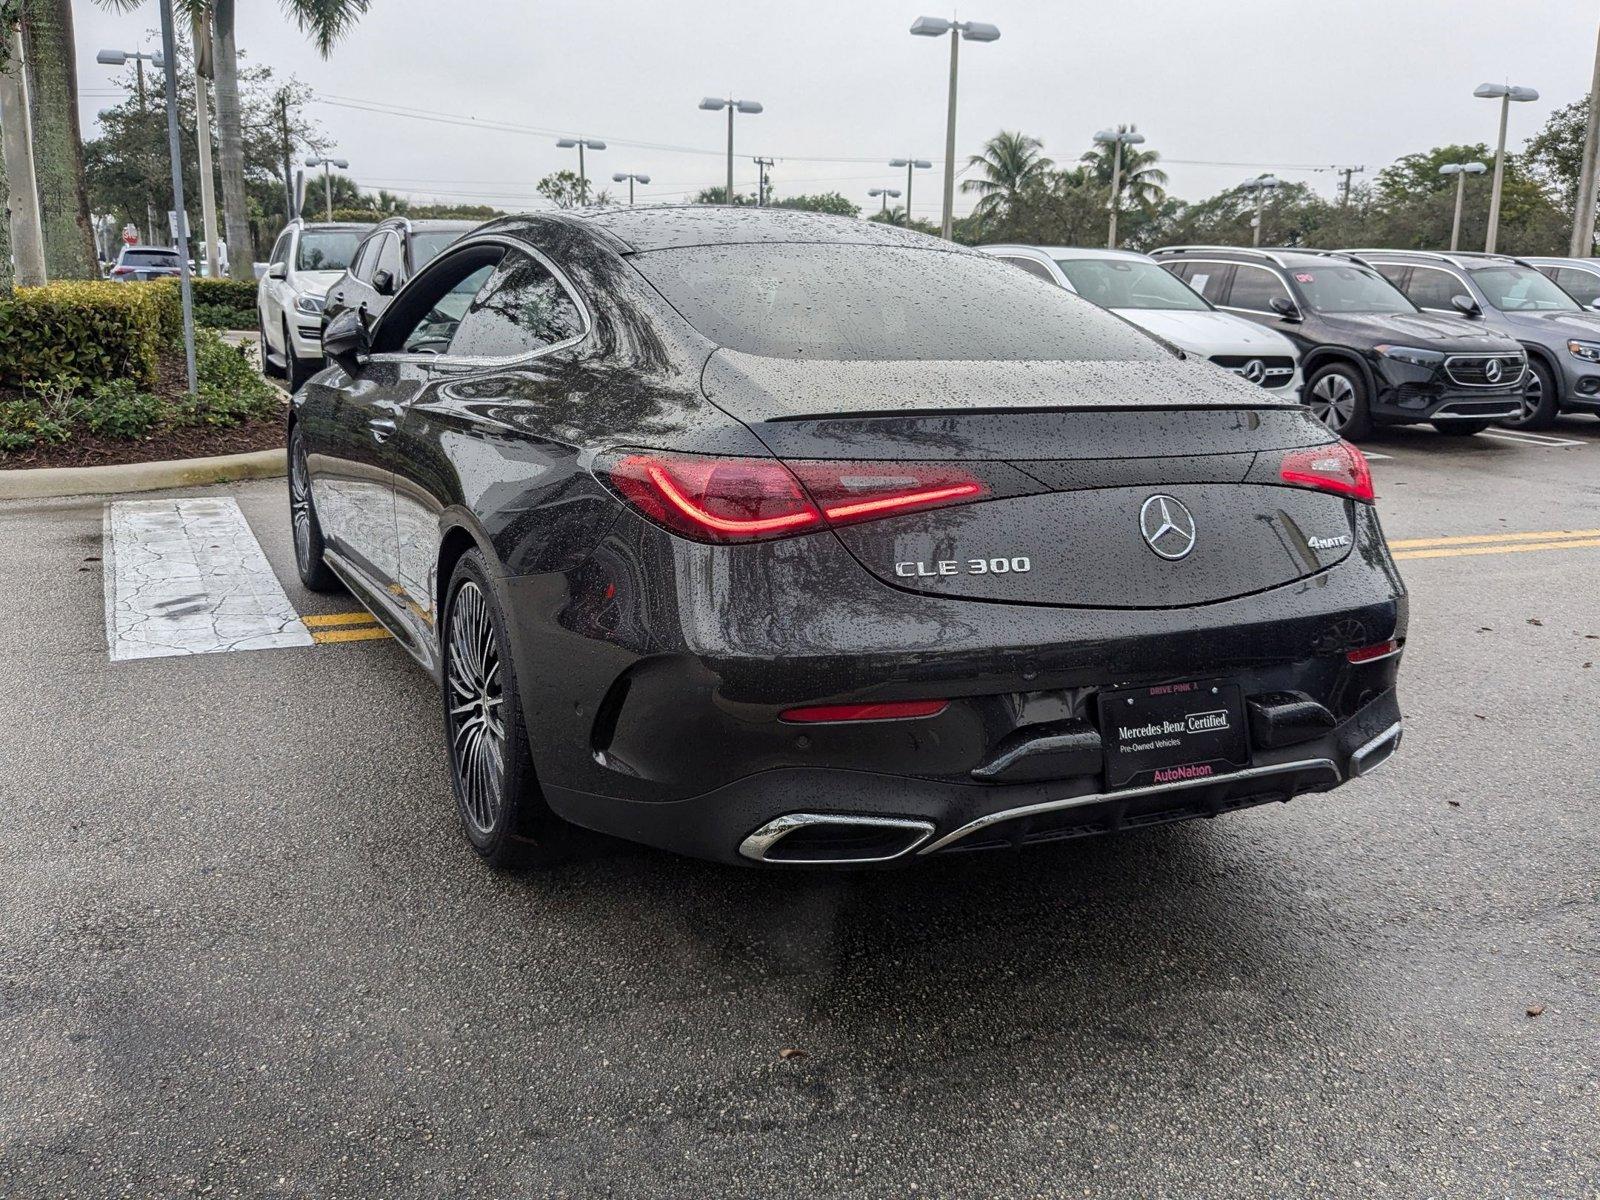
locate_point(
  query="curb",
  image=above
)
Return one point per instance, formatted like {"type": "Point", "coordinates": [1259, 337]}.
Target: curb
{"type": "Point", "coordinates": [37, 483]}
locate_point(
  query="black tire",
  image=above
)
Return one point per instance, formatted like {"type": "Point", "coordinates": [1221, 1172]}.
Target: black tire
{"type": "Point", "coordinates": [1541, 399]}
{"type": "Point", "coordinates": [1461, 428]}
{"type": "Point", "coordinates": [307, 530]}
{"type": "Point", "coordinates": [1337, 395]}
{"type": "Point", "coordinates": [297, 370]}
{"type": "Point", "coordinates": [503, 813]}
{"type": "Point", "coordinates": [268, 368]}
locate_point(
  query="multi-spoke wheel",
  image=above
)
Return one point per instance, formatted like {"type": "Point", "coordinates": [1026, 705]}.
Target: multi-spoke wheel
{"type": "Point", "coordinates": [1337, 396]}
{"type": "Point", "coordinates": [1539, 399]}
{"type": "Point", "coordinates": [308, 546]}
{"type": "Point", "coordinates": [491, 767]}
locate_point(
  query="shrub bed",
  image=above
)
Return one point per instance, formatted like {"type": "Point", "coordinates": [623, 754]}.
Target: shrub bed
{"type": "Point", "coordinates": [81, 334]}
{"type": "Point", "coordinates": [221, 303]}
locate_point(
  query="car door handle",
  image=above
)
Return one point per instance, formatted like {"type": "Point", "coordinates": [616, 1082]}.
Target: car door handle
{"type": "Point", "coordinates": [381, 429]}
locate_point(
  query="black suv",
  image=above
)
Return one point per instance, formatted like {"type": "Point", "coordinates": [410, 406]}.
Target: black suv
{"type": "Point", "coordinates": [395, 250]}
{"type": "Point", "coordinates": [1370, 356]}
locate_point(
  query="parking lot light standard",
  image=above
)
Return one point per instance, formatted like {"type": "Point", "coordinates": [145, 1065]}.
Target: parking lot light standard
{"type": "Point", "coordinates": [1260, 185]}
{"type": "Point", "coordinates": [911, 165]}
{"type": "Point", "coordinates": [1460, 171]}
{"type": "Point", "coordinates": [631, 178]}
{"type": "Point", "coordinates": [717, 104]}
{"type": "Point", "coordinates": [1505, 93]}
{"type": "Point", "coordinates": [1116, 139]}
{"type": "Point", "coordinates": [972, 31]}
{"type": "Point", "coordinates": [118, 58]}
{"type": "Point", "coordinates": [885, 193]}
{"type": "Point", "coordinates": [327, 165]}
{"type": "Point", "coordinates": [582, 144]}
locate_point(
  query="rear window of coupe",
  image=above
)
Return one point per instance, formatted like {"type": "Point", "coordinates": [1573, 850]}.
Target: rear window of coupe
{"type": "Point", "coordinates": [882, 303]}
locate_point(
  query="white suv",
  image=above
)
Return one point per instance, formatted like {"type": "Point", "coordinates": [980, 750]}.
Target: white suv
{"type": "Point", "coordinates": [306, 260]}
{"type": "Point", "coordinates": [1131, 285]}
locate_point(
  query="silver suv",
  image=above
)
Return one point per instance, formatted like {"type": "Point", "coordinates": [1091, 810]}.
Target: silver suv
{"type": "Point", "coordinates": [1513, 297]}
{"type": "Point", "coordinates": [306, 259]}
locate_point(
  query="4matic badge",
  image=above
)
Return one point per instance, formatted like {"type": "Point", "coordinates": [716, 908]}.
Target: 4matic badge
{"type": "Point", "coordinates": [1327, 543]}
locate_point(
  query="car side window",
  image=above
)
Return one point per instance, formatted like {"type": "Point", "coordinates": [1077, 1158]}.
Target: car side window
{"type": "Point", "coordinates": [1432, 288]}
{"type": "Point", "coordinates": [1582, 286]}
{"type": "Point", "coordinates": [1210, 280]}
{"type": "Point", "coordinates": [280, 250]}
{"type": "Point", "coordinates": [366, 255]}
{"type": "Point", "coordinates": [1033, 268]}
{"type": "Point", "coordinates": [524, 309]}
{"type": "Point", "coordinates": [423, 318]}
{"type": "Point", "coordinates": [1255, 288]}
{"type": "Point", "coordinates": [389, 257]}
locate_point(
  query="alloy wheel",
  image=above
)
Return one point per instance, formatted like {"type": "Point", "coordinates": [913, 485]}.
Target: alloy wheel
{"type": "Point", "coordinates": [1333, 401]}
{"type": "Point", "coordinates": [474, 696]}
{"type": "Point", "coordinates": [300, 507]}
{"type": "Point", "coordinates": [1532, 396]}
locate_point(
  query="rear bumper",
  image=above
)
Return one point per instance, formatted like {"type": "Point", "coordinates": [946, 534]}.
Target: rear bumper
{"type": "Point", "coordinates": [768, 818]}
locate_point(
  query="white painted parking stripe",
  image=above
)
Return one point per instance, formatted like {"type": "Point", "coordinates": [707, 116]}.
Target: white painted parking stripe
{"type": "Point", "coordinates": [1369, 455]}
{"type": "Point", "coordinates": [1544, 441]}
{"type": "Point", "coordinates": [189, 577]}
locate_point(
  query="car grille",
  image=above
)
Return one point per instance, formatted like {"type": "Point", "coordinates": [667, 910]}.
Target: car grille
{"type": "Point", "coordinates": [1480, 370]}
{"type": "Point", "coordinates": [1276, 370]}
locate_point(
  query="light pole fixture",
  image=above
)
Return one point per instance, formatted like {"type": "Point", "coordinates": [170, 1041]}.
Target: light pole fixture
{"type": "Point", "coordinates": [1260, 185]}
{"type": "Point", "coordinates": [972, 31]}
{"type": "Point", "coordinates": [1505, 93]}
{"type": "Point", "coordinates": [886, 193]}
{"type": "Point", "coordinates": [1116, 139]}
{"type": "Point", "coordinates": [717, 104]}
{"type": "Point", "coordinates": [327, 165]}
{"type": "Point", "coordinates": [1460, 170]}
{"type": "Point", "coordinates": [583, 174]}
{"type": "Point", "coordinates": [631, 178]}
{"type": "Point", "coordinates": [910, 164]}
{"type": "Point", "coordinates": [119, 58]}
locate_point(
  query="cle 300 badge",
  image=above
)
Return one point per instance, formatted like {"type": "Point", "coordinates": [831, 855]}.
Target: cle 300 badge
{"type": "Point", "coordinates": [955, 566]}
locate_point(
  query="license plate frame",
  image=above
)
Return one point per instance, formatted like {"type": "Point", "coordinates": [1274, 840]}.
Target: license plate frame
{"type": "Point", "coordinates": [1173, 733]}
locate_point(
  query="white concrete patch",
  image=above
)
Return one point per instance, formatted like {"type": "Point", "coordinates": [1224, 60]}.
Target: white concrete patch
{"type": "Point", "coordinates": [189, 577]}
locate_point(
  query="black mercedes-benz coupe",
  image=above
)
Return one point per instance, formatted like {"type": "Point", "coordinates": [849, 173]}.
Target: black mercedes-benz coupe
{"type": "Point", "coordinates": [780, 538]}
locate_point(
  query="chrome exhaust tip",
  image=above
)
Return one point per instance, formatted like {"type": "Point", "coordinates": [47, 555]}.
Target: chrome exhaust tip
{"type": "Point", "coordinates": [1369, 757]}
{"type": "Point", "coordinates": [834, 839]}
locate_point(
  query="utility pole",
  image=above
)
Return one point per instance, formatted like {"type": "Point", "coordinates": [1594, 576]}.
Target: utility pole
{"type": "Point", "coordinates": [1344, 188]}
{"type": "Point", "coordinates": [761, 186]}
{"type": "Point", "coordinates": [16, 144]}
{"type": "Point", "coordinates": [289, 207]}
{"type": "Point", "coordinates": [149, 202]}
{"type": "Point", "coordinates": [1583, 217]}
{"type": "Point", "coordinates": [201, 35]}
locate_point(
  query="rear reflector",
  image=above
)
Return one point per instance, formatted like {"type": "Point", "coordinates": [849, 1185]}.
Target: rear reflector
{"type": "Point", "coordinates": [893, 710]}
{"type": "Point", "coordinates": [1373, 653]}
{"type": "Point", "coordinates": [751, 499]}
{"type": "Point", "coordinates": [1338, 468]}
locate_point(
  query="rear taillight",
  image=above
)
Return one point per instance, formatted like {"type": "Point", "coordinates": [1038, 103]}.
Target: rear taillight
{"type": "Point", "coordinates": [751, 499]}
{"type": "Point", "coordinates": [1338, 468]}
{"type": "Point", "coordinates": [122, 270]}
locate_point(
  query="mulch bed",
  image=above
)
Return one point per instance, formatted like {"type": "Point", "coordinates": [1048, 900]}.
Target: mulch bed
{"type": "Point", "coordinates": [202, 442]}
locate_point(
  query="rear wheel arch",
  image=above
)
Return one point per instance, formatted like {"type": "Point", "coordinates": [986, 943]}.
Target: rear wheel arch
{"type": "Point", "coordinates": [457, 540]}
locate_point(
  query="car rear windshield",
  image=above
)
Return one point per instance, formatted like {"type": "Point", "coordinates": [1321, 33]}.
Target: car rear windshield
{"type": "Point", "coordinates": [1349, 289]}
{"type": "Point", "coordinates": [1128, 283]}
{"type": "Point", "coordinates": [878, 303]}
{"type": "Point", "coordinates": [1522, 289]}
{"type": "Point", "coordinates": [149, 258]}
{"type": "Point", "coordinates": [327, 249]}
{"type": "Point", "coordinates": [425, 247]}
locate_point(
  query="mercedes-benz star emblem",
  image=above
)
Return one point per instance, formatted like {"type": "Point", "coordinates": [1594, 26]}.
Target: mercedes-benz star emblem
{"type": "Point", "coordinates": [1492, 370]}
{"type": "Point", "coordinates": [1167, 526]}
{"type": "Point", "coordinates": [1255, 370]}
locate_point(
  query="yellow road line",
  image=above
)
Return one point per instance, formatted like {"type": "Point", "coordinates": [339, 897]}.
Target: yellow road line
{"type": "Point", "coordinates": [345, 618]}
{"type": "Point", "coordinates": [370, 633]}
{"type": "Point", "coordinates": [1519, 548]}
{"type": "Point", "coordinates": [1478, 539]}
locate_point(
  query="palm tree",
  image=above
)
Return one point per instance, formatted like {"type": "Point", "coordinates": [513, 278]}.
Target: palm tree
{"type": "Point", "coordinates": [1010, 162]}
{"type": "Point", "coordinates": [1142, 181]}
{"type": "Point", "coordinates": [52, 72]}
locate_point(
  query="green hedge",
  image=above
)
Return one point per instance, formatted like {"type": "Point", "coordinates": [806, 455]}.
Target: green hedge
{"type": "Point", "coordinates": [86, 333]}
{"type": "Point", "coordinates": [220, 303]}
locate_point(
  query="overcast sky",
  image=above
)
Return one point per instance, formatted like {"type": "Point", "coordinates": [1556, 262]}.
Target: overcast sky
{"type": "Point", "coordinates": [1222, 88]}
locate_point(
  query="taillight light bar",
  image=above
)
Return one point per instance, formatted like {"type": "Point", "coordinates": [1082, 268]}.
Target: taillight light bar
{"type": "Point", "coordinates": [751, 499]}
{"type": "Point", "coordinates": [1338, 468]}
{"type": "Point", "coordinates": [889, 710]}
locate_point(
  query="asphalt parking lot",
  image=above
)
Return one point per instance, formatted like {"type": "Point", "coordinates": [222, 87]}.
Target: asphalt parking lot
{"type": "Point", "coordinates": [245, 951]}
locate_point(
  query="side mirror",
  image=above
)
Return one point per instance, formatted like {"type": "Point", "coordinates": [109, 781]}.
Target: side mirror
{"type": "Point", "coordinates": [1595, 304]}
{"type": "Point", "coordinates": [346, 341]}
{"type": "Point", "coordinates": [1466, 306]}
{"type": "Point", "coordinates": [278, 270]}
{"type": "Point", "coordinates": [383, 283]}
{"type": "Point", "coordinates": [1285, 308]}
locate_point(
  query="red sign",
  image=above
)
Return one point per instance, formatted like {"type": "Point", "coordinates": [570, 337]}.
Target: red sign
{"type": "Point", "coordinates": [130, 235]}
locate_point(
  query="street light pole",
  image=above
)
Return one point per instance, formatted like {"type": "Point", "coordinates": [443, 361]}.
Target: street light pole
{"type": "Point", "coordinates": [1583, 219]}
{"type": "Point", "coordinates": [910, 164]}
{"type": "Point", "coordinates": [630, 178]}
{"type": "Point", "coordinates": [885, 193]}
{"type": "Point", "coordinates": [583, 174]}
{"type": "Point", "coordinates": [1260, 185]}
{"type": "Point", "coordinates": [716, 104]}
{"type": "Point", "coordinates": [1460, 171]}
{"type": "Point", "coordinates": [973, 31]}
{"type": "Point", "coordinates": [169, 55]}
{"type": "Point", "coordinates": [327, 165]}
{"type": "Point", "coordinates": [118, 58]}
{"type": "Point", "coordinates": [1505, 93]}
{"type": "Point", "coordinates": [1116, 139]}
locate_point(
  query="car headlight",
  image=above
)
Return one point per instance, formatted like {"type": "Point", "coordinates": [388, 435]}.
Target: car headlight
{"type": "Point", "coordinates": [1411, 354]}
{"type": "Point", "coordinates": [310, 305]}
{"type": "Point", "coordinates": [1588, 351]}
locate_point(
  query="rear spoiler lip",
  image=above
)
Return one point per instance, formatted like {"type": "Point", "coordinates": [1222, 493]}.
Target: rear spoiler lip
{"type": "Point", "coordinates": [1005, 410]}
